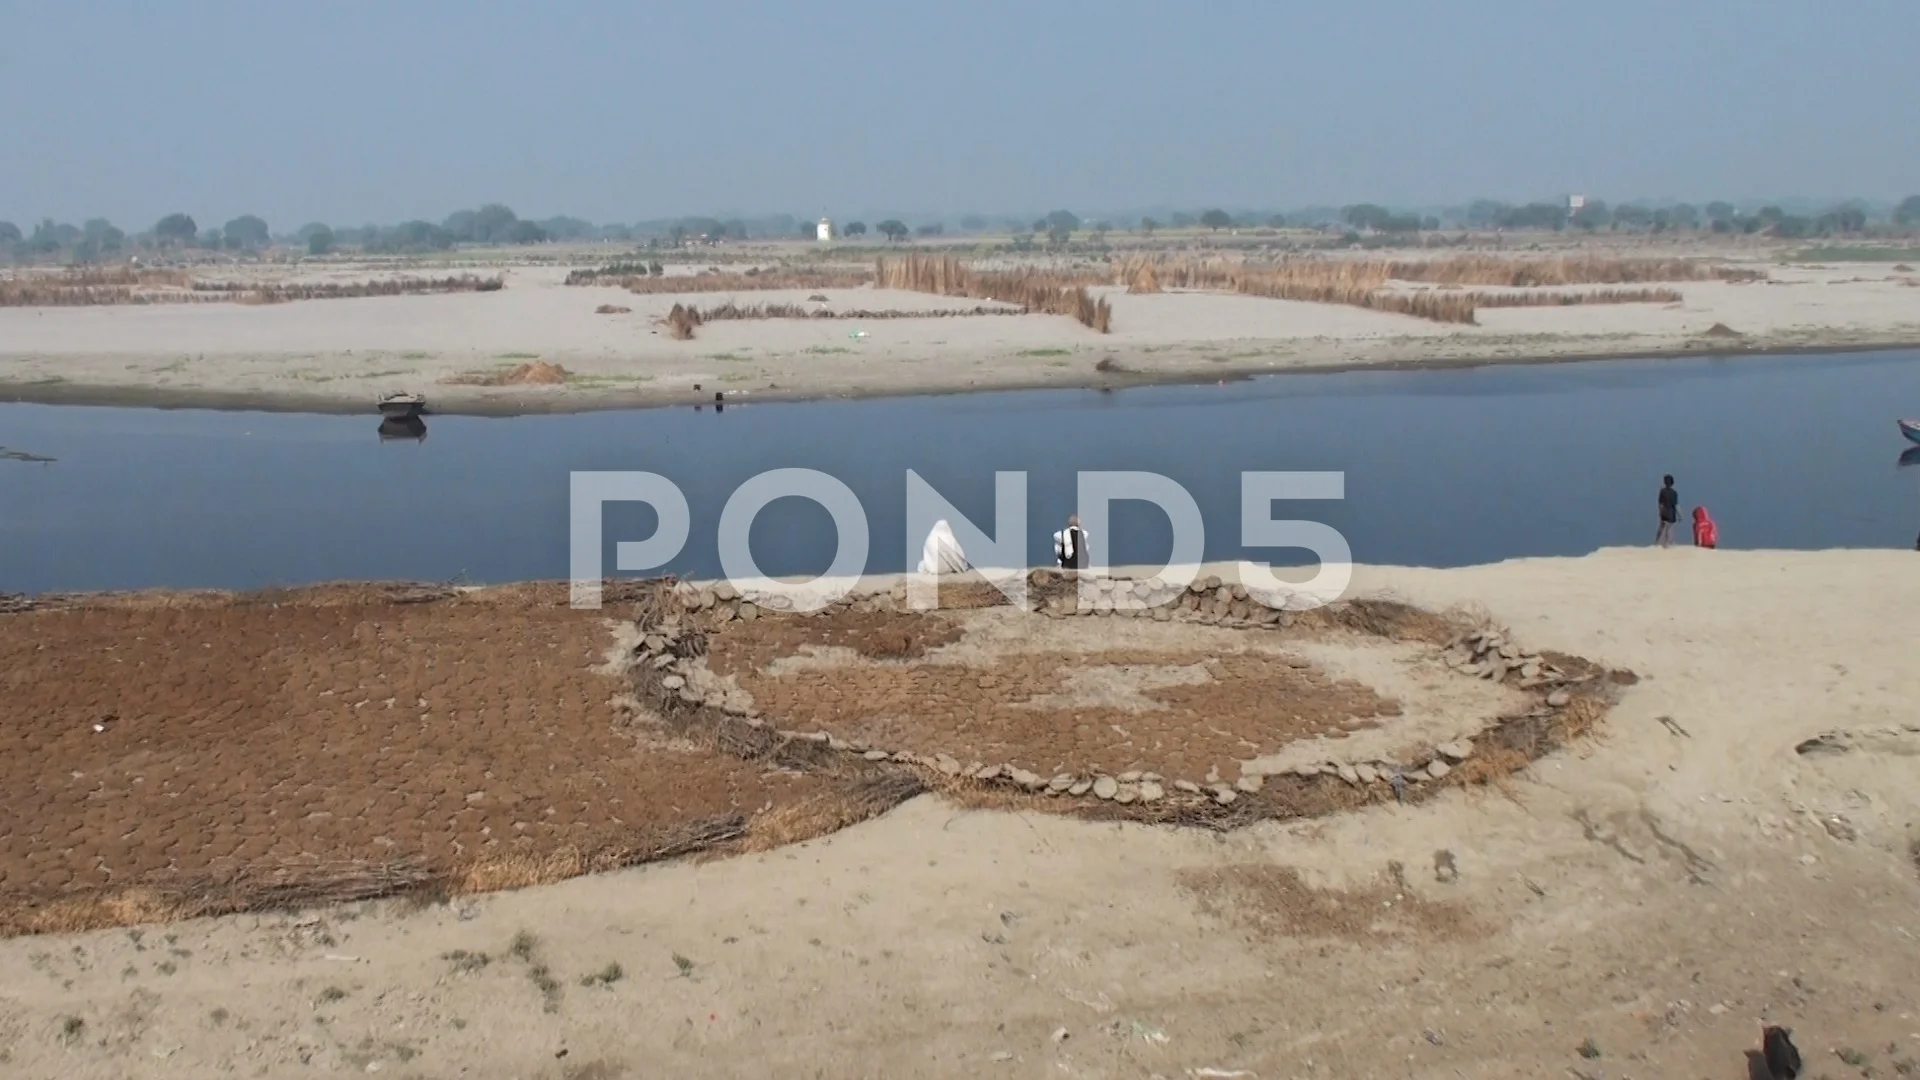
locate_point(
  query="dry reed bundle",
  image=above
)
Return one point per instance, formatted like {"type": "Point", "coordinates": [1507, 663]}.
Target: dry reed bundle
{"type": "Point", "coordinates": [761, 282]}
{"type": "Point", "coordinates": [1143, 280]}
{"type": "Point", "coordinates": [1575, 299]}
{"type": "Point", "coordinates": [1363, 282]}
{"type": "Point", "coordinates": [1566, 270]}
{"type": "Point", "coordinates": [94, 286]}
{"type": "Point", "coordinates": [97, 287]}
{"type": "Point", "coordinates": [730, 310]}
{"type": "Point", "coordinates": [1033, 290]}
{"type": "Point", "coordinates": [247, 293]}
{"type": "Point", "coordinates": [682, 321]}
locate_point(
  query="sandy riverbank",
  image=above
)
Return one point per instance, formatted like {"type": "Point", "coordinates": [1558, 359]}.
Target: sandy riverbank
{"type": "Point", "coordinates": [1635, 905]}
{"type": "Point", "coordinates": [339, 355]}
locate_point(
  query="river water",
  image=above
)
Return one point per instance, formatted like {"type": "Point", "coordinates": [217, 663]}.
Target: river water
{"type": "Point", "coordinates": [1442, 468]}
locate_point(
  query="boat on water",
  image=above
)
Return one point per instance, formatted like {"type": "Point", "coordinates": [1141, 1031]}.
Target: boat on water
{"type": "Point", "coordinates": [1911, 429]}
{"type": "Point", "coordinates": [402, 405]}
{"type": "Point", "coordinates": [410, 428]}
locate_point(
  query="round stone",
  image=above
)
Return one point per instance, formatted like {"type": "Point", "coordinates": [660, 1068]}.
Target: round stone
{"type": "Point", "coordinates": [1106, 787]}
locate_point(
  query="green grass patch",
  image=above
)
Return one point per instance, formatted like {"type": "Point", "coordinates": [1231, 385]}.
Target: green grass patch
{"type": "Point", "coordinates": [727, 357]}
{"type": "Point", "coordinates": [511, 356]}
{"type": "Point", "coordinates": [1840, 253]}
{"type": "Point", "coordinates": [386, 374]}
{"type": "Point", "coordinates": [414, 356]}
{"type": "Point", "coordinates": [1046, 352]}
{"type": "Point", "coordinates": [827, 350]}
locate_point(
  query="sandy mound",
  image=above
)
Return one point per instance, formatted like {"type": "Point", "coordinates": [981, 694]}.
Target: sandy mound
{"type": "Point", "coordinates": [1721, 330]}
{"type": "Point", "coordinates": [537, 373]}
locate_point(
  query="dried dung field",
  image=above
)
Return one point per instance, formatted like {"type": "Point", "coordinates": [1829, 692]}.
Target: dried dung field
{"type": "Point", "coordinates": [167, 755]}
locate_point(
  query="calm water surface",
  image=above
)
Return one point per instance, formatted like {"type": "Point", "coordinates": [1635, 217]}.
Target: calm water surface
{"type": "Point", "coordinates": [1442, 468]}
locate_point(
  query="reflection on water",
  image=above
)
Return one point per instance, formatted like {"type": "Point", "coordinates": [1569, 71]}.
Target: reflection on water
{"type": "Point", "coordinates": [403, 428]}
{"type": "Point", "coordinates": [10, 454]}
{"type": "Point", "coordinates": [1441, 469]}
{"type": "Point", "coordinates": [1910, 457]}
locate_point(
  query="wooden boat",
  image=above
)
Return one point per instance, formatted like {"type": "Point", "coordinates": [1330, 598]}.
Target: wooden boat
{"type": "Point", "coordinates": [1911, 429]}
{"type": "Point", "coordinates": [402, 405]}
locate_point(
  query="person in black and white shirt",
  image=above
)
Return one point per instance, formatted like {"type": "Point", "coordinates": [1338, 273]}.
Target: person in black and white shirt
{"type": "Point", "coordinates": [1070, 545]}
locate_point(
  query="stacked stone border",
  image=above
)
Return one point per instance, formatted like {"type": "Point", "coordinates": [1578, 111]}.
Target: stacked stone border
{"type": "Point", "coordinates": [673, 624]}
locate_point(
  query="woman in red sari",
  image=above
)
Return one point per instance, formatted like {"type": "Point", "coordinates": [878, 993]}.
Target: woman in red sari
{"type": "Point", "coordinates": [1705, 533]}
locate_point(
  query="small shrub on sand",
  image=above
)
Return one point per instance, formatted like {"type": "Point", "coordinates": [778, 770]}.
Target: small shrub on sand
{"type": "Point", "coordinates": [606, 976]}
{"type": "Point", "coordinates": [611, 309]}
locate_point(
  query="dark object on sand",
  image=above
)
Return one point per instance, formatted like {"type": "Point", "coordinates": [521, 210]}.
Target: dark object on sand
{"type": "Point", "coordinates": [1721, 330]}
{"type": "Point", "coordinates": [1911, 429]}
{"type": "Point", "coordinates": [719, 396]}
{"type": "Point", "coordinates": [402, 405]}
{"type": "Point", "coordinates": [1782, 1057]}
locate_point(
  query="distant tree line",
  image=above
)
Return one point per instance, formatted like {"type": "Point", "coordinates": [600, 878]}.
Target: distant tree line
{"type": "Point", "coordinates": [494, 224]}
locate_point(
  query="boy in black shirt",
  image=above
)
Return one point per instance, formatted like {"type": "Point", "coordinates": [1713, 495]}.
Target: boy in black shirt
{"type": "Point", "coordinates": [1669, 513]}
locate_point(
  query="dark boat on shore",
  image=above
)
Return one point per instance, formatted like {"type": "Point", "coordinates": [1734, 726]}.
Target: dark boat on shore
{"type": "Point", "coordinates": [402, 405]}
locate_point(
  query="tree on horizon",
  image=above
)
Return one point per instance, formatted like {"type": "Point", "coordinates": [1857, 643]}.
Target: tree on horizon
{"type": "Point", "coordinates": [175, 229]}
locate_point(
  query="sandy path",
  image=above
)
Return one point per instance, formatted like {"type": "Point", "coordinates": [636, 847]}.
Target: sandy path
{"type": "Point", "coordinates": [342, 354]}
{"type": "Point", "coordinates": [1655, 894]}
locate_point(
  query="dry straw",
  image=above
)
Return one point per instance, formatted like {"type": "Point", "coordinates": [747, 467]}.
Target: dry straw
{"type": "Point", "coordinates": [93, 287]}
{"type": "Point", "coordinates": [1365, 283]}
{"type": "Point", "coordinates": [1041, 291]}
{"type": "Point", "coordinates": [762, 281]}
{"type": "Point", "coordinates": [730, 310]}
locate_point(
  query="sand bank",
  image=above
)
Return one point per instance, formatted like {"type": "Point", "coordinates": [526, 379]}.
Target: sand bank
{"type": "Point", "coordinates": [1635, 905]}
{"type": "Point", "coordinates": [339, 355]}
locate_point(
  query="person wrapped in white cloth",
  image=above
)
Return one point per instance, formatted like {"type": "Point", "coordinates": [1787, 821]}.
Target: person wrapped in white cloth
{"type": "Point", "coordinates": [942, 554]}
{"type": "Point", "coordinates": [1070, 545]}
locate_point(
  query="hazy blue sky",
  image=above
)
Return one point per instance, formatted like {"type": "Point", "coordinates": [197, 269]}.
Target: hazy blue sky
{"type": "Point", "coordinates": [354, 111]}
